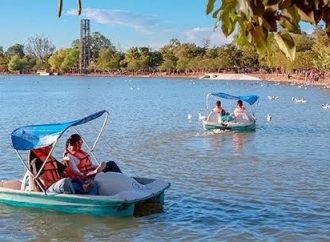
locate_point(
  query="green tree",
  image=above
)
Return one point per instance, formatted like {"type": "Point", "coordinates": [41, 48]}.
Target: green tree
{"type": "Point", "coordinates": [259, 22]}
{"type": "Point", "coordinates": [56, 59]}
{"type": "Point", "coordinates": [3, 63]}
{"type": "Point", "coordinates": [249, 56]}
{"type": "Point", "coordinates": [185, 53]}
{"type": "Point", "coordinates": [168, 55]}
{"type": "Point", "coordinates": [303, 42]}
{"type": "Point", "coordinates": [64, 60]}
{"type": "Point", "coordinates": [305, 60]}
{"type": "Point", "coordinates": [16, 49]}
{"type": "Point", "coordinates": [320, 46]}
{"type": "Point", "coordinates": [156, 59]}
{"type": "Point", "coordinates": [71, 60]}
{"type": "Point", "coordinates": [98, 42]}
{"type": "Point", "coordinates": [17, 64]}
{"type": "Point", "coordinates": [108, 60]}
{"type": "Point", "coordinates": [137, 59]}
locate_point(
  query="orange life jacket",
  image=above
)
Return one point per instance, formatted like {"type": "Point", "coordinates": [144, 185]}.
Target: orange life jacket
{"type": "Point", "coordinates": [85, 164]}
{"type": "Point", "coordinates": [50, 172]}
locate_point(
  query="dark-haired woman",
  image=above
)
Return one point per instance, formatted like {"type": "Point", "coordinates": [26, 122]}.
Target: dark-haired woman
{"type": "Point", "coordinates": [79, 162]}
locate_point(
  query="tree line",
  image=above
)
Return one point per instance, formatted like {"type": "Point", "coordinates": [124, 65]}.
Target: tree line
{"type": "Point", "coordinates": [312, 52]}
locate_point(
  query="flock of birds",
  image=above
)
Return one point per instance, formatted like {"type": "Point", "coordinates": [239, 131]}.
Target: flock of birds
{"type": "Point", "coordinates": [296, 100]}
{"type": "Point", "coordinates": [200, 116]}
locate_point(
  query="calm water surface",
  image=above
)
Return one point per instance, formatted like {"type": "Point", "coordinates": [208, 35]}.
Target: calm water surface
{"type": "Point", "coordinates": [271, 184]}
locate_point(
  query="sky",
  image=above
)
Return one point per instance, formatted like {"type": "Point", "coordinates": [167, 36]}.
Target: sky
{"type": "Point", "coordinates": [127, 23]}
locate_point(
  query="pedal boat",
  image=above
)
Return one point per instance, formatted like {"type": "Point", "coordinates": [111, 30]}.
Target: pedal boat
{"type": "Point", "coordinates": [214, 121]}
{"type": "Point", "coordinates": [119, 195]}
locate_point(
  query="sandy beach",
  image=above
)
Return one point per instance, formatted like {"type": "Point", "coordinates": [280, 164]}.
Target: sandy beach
{"type": "Point", "coordinates": [281, 78]}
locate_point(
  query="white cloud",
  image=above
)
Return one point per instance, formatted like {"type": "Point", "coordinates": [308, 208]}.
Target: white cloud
{"type": "Point", "coordinates": [138, 22]}
{"type": "Point", "coordinates": [198, 35]}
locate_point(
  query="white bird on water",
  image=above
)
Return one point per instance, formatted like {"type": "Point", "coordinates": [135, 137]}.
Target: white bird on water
{"type": "Point", "coordinates": [200, 117]}
{"type": "Point", "coordinates": [272, 97]}
{"type": "Point", "coordinates": [189, 116]}
{"type": "Point", "coordinates": [302, 100]}
{"type": "Point", "coordinates": [269, 118]}
{"type": "Point", "coordinates": [325, 106]}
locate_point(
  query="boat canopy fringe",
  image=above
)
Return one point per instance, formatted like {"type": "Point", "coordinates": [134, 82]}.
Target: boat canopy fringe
{"type": "Point", "coordinates": [37, 136]}
{"type": "Point", "coordinates": [250, 99]}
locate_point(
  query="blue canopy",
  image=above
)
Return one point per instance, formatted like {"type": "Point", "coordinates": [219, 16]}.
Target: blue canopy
{"type": "Point", "coordinates": [250, 99]}
{"type": "Point", "coordinates": [36, 136]}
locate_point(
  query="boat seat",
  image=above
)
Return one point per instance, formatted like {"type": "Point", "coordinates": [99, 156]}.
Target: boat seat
{"type": "Point", "coordinates": [13, 184]}
{"type": "Point", "coordinates": [213, 117]}
{"type": "Point", "coordinates": [244, 118]}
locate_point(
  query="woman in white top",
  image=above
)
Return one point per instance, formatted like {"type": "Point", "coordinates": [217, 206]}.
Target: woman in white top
{"type": "Point", "coordinates": [241, 114]}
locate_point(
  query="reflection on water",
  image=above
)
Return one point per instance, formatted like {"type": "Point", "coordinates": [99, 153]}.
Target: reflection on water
{"type": "Point", "coordinates": [271, 184]}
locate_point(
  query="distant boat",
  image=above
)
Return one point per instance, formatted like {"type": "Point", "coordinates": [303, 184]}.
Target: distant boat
{"type": "Point", "coordinates": [43, 73]}
{"type": "Point", "coordinates": [244, 122]}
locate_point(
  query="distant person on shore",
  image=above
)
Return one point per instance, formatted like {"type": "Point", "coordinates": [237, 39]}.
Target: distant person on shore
{"type": "Point", "coordinates": [241, 114]}
{"type": "Point", "coordinates": [218, 108]}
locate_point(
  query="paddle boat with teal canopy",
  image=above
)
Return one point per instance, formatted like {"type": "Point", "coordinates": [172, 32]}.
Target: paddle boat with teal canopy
{"type": "Point", "coordinates": [119, 195]}
{"type": "Point", "coordinates": [244, 122]}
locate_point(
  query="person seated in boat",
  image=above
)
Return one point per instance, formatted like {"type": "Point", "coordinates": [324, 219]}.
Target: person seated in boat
{"type": "Point", "coordinates": [79, 163]}
{"type": "Point", "coordinates": [224, 116]}
{"type": "Point", "coordinates": [240, 113]}
{"type": "Point", "coordinates": [218, 108]}
{"type": "Point", "coordinates": [50, 179]}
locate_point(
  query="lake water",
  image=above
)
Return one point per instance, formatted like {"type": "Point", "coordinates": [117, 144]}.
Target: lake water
{"type": "Point", "coordinates": [271, 184]}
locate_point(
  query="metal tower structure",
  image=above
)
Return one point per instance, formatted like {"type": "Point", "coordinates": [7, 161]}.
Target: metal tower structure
{"type": "Point", "coordinates": [84, 46]}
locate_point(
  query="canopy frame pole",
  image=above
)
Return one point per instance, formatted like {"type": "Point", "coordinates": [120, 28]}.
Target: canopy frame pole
{"type": "Point", "coordinates": [30, 172]}
{"type": "Point", "coordinates": [207, 102]}
{"type": "Point", "coordinates": [101, 130]}
{"type": "Point", "coordinates": [91, 150]}
{"type": "Point", "coordinates": [88, 147]}
{"type": "Point", "coordinates": [45, 161]}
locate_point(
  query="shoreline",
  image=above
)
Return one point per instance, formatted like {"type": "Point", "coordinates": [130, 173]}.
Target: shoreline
{"type": "Point", "coordinates": [274, 77]}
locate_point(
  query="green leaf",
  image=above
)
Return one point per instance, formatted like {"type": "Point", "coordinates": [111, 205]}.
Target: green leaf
{"type": "Point", "coordinates": [292, 14]}
{"type": "Point", "coordinates": [271, 2]}
{"type": "Point", "coordinates": [269, 20]}
{"type": "Point", "coordinates": [228, 16]}
{"type": "Point", "coordinates": [257, 7]}
{"type": "Point", "coordinates": [289, 20]}
{"type": "Point", "coordinates": [285, 4]}
{"type": "Point", "coordinates": [289, 26]}
{"type": "Point", "coordinates": [305, 12]}
{"type": "Point", "coordinates": [210, 6]}
{"type": "Point", "coordinates": [259, 37]}
{"type": "Point", "coordinates": [243, 7]}
{"type": "Point", "coordinates": [286, 44]}
{"type": "Point", "coordinates": [215, 13]}
{"type": "Point", "coordinates": [326, 19]}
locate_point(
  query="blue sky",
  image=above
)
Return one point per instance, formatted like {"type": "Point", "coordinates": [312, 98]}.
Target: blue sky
{"type": "Point", "coordinates": [126, 23]}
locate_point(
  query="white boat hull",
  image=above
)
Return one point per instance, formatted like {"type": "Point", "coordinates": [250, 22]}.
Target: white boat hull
{"type": "Point", "coordinates": [122, 204]}
{"type": "Point", "coordinates": [234, 126]}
